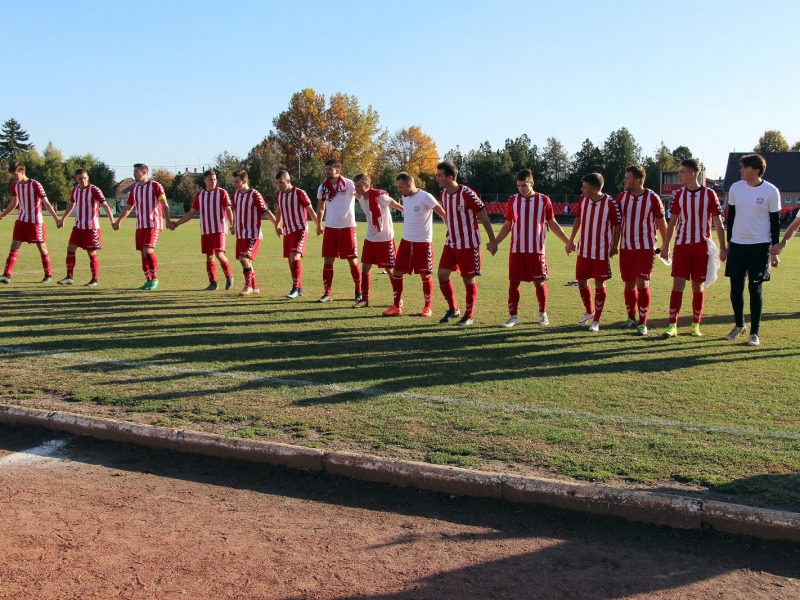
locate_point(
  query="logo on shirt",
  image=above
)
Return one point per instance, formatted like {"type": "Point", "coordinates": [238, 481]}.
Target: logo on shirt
{"type": "Point", "coordinates": [416, 209]}
{"type": "Point", "coordinates": [759, 201]}
{"type": "Point", "coordinates": [460, 208]}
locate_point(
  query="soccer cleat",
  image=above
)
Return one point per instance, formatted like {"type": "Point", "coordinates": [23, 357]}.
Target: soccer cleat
{"type": "Point", "coordinates": [585, 318]}
{"type": "Point", "coordinates": [66, 281]}
{"type": "Point", "coordinates": [361, 304]}
{"type": "Point", "coordinates": [46, 279]}
{"type": "Point", "coordinates": [465, 321]}
{"type": "Point", "coordinates": [258, 291]}
{"type": "Point", "coordinates": [246, 291]}
{"type": "Point", "coordinates": [294, 293]}
{"type": "Point", "coordinates": [641, 329]}
{"type": "Point", "coordinates": [228, 283]}
{"type": "Point", "coordinates": [513, 321]}
{"type": "Point", "coordinates": [151, 285]}
{"type": "Point", "coordinates": [754, 341]}
{"type": "Point", "coordinates": [211, 287]}
{"type": "Point", "coordinates": [5, 278]}
{"type": "Point", "coordinates": [736, 332]}
{"type": "Point", "coordinates": [450, 315]}
{"type": "Point", "coordinates": [427, 311]}
{"type": "Point", "coordinates": [543, 320]}
{"type": "Point", "coordinates": [595, 326]}
{"type": "Point", "coordinates": [358, 297]}
{"type": "Point", "coordinates": [695, 332]}
{"type": "Point", "coordinates": [325, 298]}
{"type": "Point", "coordinates": [393, 311]}
{"type": "Point", "coordinates": [629, 323]}
{"type": "Point", "coordinates": [145, 286]}
{"type": "Point", "coordinates": [671, 330]}
{"type": "Point", "coordinates": [92, 283]}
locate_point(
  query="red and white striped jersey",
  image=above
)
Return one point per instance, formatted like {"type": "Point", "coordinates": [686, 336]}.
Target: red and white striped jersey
{"type": "Point", "coordinates": [292, 205]}
{"type": "Point", "coordinates": [144, 197]}
{"type": "Point", "coordinates": [462, 210]}
{"type": "Point", "coordinates": [528, 217]}
{"type": "Point", "coordinates": [87, 206]}
{"type": "Point", "coordinates": [30, 195]}
{"type": "Point", "coordinates": [598, 219]}
{"type": "Point", "coordinates": [639, 216]}
{"type": "Point", "coordinates": [247, 211]}
{"type": "Point", "coordinates": [211, 206]}
{"type": "Point", "coordinates": [694, 210]}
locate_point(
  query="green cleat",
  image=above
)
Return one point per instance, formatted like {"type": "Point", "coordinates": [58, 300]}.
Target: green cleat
{"type": "Point", "coordinates": [630, 323]}
{"type": "Point", "coordinates": [641, 329]}
{"type": "Point", "coordinates": [145, 286]}
{"type": "Point", "coordinates": [696, 330]}
{"type": "Point", "coordinates": [152, 285]}
{"type": "Point", "coordinates": [671, 330]}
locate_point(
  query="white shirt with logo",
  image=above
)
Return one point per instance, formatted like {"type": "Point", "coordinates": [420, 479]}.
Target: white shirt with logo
{"type": "Point", "coordinates": [753, 205]}
{"type": "Point", "coordinates": [418, 217]}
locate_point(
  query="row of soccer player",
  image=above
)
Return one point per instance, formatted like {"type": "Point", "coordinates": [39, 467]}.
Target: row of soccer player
{"type": "Point", "coordinates": [627, 224]}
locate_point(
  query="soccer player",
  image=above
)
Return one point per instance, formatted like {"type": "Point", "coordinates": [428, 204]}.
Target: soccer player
{"type": "Point", "coordinates": [248, 209]}
{"type": "Point", "coordinates": [151, 210]}
{"type": "Point", "coordinates": [462, 250]}
{"type": "Point", "coordinates": [379, 247]}
{"type": "Point", "coordinates": [216, 216]}
{"type": "Point", "coordinates": [338, 195]}
{"type": "Point", "coordinates": [754, 209]}
{"type": "Point", "coordinates": [416, 246]}
{"type": "Point", "coordinates": [597, 220]}
{"type": "Point", "coordinates": [86, 231]}
{"type": "Point", "coordinates": [293, 208]}
{"type": "Point", "coordinates": [30, 196]}
{"type": "Point", "coordinates": [693, 209]}
{"type": "Point", "coordinates": [526, 215]}
{"type": "Point", "coordinates": [642, 213]}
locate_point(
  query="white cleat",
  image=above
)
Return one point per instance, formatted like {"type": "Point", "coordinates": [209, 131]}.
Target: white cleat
{"type": "Point", "coordinates": [513, 321]}
{"type": "Point", "coordinates": [754, 341]}
{"type": "Point", "coordinates": [585, 318]}
{"type": "Point", "coordinates": [736, 332]}
{"type": "Point", "coordinates": [595, 326]}
{"type": "Point", "coordinates": [543, 320]}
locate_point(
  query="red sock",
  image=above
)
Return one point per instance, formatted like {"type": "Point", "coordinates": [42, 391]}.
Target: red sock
{"type": "Point", "coordinates": [94, 265]}
{"type": "Point", "coordinates": [630, 302]}
{"type": "Point", "coordinates": [211, 269]}
{"type": "Point", "coordinates": [644, 298]}
{"type": "Point", "coordinates": [13, 255]}
{"type": "Point", "coordinates": [248, 276]}
{"type": "Point", "coordinates": [586, 296]}
{"type": "Point", "coordinates": [48, 268]}
{"type": "Point", "coordinates": [698, 299]}
{"type": "Point", "coordinates": [449, 293]}
{"type": "Point", "coordinates": [253, 282]}
{"type": "Point", "coordinates": [599, 302]}
{"type": "Point", "coordinates": [152, 262]}
{"type": "Point", "coordinates": [397, 289]}
{"type": "Point", "coordinates": [427, 290]}
{"type": "Point", "coordinates": [327, 278]}
{"type": "Point", "coordinates": [70, 263]}
{"type": "Point", "coordinates": [146, 267]}
{"type": "Point", "coordinates": [355, 273]}
{"type": "Point", "coordinates": [541, 296]}
{"type": "Point", "coordinates": [366, 283]}
{"type": "Point", "coordinates": [675, 301]}
{"type": "Point", "coordinates": [296, 268]}
{"type": "Point", "coordinates": [472, 298]}
{"type": "Point", "coordinates": [226, 269]}
{"type": "Point", "coordinates": [513, 297]}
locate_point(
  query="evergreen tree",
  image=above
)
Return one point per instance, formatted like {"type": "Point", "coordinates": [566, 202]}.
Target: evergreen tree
{"type": "Point", "coordinates": [13, 140]}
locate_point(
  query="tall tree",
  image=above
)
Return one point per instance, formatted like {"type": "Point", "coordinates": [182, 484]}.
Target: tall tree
{"type": "Point", "coordinates": [589, 159]}
{"type": "Point", "coordinates": [262, 163]}
{"type": "Point", "coordinates": [620, 150]}
{"type": "Point", "coordinates": [795, 147]}
{"type": "Point", "coordinates": [163, 176]}
{"type": "Point", "coordinates": [13, 140]}
{"type": "Point", "coordinates": [413, 151]}
{"type": "Point", "coordinates": [225, 164]}
{"type": "Point", "coordinates": [556, 165]}
{"type": "Point", "coordinates": [354, 135]}
{"type": "Point", "coordinates": [771, 141]}
{"type": "Point", "coordinates": [681, 153]}
{"type": "Point", "coordinates": [525, 155]}
{"type": "Point", "coordinates": [100, 174]}
{"type": "Point", "coordinates": [52, 175]}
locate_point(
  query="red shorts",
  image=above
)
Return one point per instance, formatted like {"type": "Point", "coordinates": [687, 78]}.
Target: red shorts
{"type": "Point", "coordinates": [414, 257]}
{"type": "Point", "coordinates": [30, 233]}
{"type": "Point", "coordinates": [466, 261]}
{"type": "Point", "coordinates": [213, 242]}
{"type": "Point", "coordinates": [379, 253]}
{"type": "Point", "coordinates": [636, 264]}
{"type": "Point", "coordinates": [592, 268]}
{"type": "Point", "coordinates": [690, 261]}
{"type": "Point", "coordinates": [147, 237]}
{"type": "Point", "coordinates": [527, 266]}
{"type": "Point", "coordinates": [85, 239]}
{"type": "Point", "coordinates": [247, 248]}
{"type": "Point", "coordinates": [339, 243]}
{"type": "Point", "coordinates": [295, 242]}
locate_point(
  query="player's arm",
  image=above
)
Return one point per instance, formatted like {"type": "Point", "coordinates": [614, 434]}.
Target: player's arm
{"type": "Point", "coordinates": [615, 242]}
{"type": "Point", "coordinates": [320, 215]}
{"type": "Point", "coordinates": [576, 226]}
{"type": "Point", "coordinates": [51, 210]}
{"type": "Point", "coordinates": [125, 212]}
{"type": "Point", "coordinates": [396, 205]}
{"type": "Point", "coordinates": [787, 235]}
{"type": "Point", "coordinates": [69, 208]}
{"type": "Point", "coordinates": [11, 206]}
{"type": "Point", "coordinates": [673, 220]}
{"type": "Point", "coordinates": [723, 248]}
{"type": "Point", "coordinates": [187, 217]}
{"type": "Point", "coordinates": [439, 210]}
{"type": "Point", "coordinates": [109, 212]}
{"type": "Point", "coordinates": [162, 200]}
{"type": "Point", "coordinates": [483, 217]}
{"type": "Point", "coordinates": [557, 230]}
{"type": "Point", "coordinates": [229, 216]}
{"type": "Point", "coordinates": [503, 233]}
{"type": "Point", "coordinates": [661, 225]}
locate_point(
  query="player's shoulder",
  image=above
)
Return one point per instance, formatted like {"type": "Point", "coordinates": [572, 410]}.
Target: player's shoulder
{"type": "Point", "coordinates": [621, 196]}
{"type": "Point", "coordinates": [468, 191]}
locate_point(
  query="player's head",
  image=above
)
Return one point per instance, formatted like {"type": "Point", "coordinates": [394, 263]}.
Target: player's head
{"type": "Point", "coordinates": [634, 178]}
{"type": "Point", "coordinates": [405, 183]}
{"type": "Point", "coordinates": [17, 170]}
{"type": "Point", "coordinates": [332, 168]}
{"type": "Point", "coordinates": [283, 180]}
{"type": "Point", "coordinates": [82, 177]}
{"type": "Point", "coordinates": [446, 172]}
{"type": "Point", "coordinates": [753, 166]}
{"type": "Point", "coordinates": [140, 171]}
{"type": "Point", "coordinates": [362, 182]}
{"type": "Point", "coordinates": [525, 182]}
{"type": "Point", "coordinates": [240, 179]}
{"type": "Point", "coordinates": [687, 173]}
{"type": "Point", "coordinates": [592, 183]}
{"type": "Point", "coordinates": [210, 179]}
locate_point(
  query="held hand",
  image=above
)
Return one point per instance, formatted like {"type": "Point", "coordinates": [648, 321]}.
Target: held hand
{"type": "Point", "coordinates": [492, 247]}
{"type": "Point", "coordinates": [777, 249]}
{"type": "Point", "coordinates": [319, 230]}
{"type": "Point", "coordinates": [775, 261]}
{"type": "Point", "coordinates": [116, 226]}
{"type": "Point", "coordinates": [723, 254]}
{"type": "Point", "coordinates": [664, 253]}
{"type": "Point", "coordinates": [278, 231]}
{"type": "Point", "coordinates": [59, 223]}
{"type": "Point", "coordinates": [614, 252]}
{"type": "Point", "coordinates": [570, 247]}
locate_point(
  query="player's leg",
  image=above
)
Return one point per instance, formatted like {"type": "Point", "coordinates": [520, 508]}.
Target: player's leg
{"type": "Point", "coordinates": [631, 300]}
{"type": "Point", "coordinates": [150, 259]}
{"type": "Point", "coordinates": [211, 271]}
{"type": "Point", "coordinates": [46, 264]}
{"type": "Point", "coordinates": [225, 264]}
{"type": "Point", "coordinates": [513, 303]}
{"type": "Point", "coordinates": [675, 303]}
{"type": "Point", "coordinates": [643, 300]}
{"type": "Point", "coordinates": [296, 270]}
{"type": "Point", "coordinates": [427, 293]}
{"type": "Point", "coordinates": [698, 303]}
{"type": "Point", "coordinates": [396, 278]}
{"type": "Point", "coordinates": [11, 261]}
{"type": "Point", "coordinates": [599, 302]}
{"type": "Point", "coordinates": [71, 260]}
{"type": "Point", "coordinates": [355, 273]}
{"type": "Point", "coordinates": [447, 264]}
{"type": "Point", "coordinates": [94, 267]}
{"type": "Point", "coordinates": [540, 285]}
{"type": "Point", "coordinates": [366, 284]}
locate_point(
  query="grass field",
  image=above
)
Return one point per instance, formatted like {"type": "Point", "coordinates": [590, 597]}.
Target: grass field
{"type": "Point", "coordinates": [693, 414]}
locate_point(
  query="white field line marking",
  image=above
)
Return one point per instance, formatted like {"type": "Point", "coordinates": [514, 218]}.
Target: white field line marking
{"type": "Point", "coordinates": [48, 452]}
{"type": "Point", "coordinates": [374, 392]}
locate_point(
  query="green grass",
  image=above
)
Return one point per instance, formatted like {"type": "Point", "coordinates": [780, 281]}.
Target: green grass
{"type": "Point", "coordinates": [686, 413]}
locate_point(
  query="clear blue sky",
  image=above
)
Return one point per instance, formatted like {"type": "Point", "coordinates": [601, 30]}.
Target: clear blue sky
{"type": "Point", "coordinates": [176, 83]}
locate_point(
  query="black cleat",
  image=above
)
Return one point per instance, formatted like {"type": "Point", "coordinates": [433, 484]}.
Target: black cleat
{"type": "Point", "coordinates": [211, 287]}
{"type": "Point", "coordinates": [450, 315]}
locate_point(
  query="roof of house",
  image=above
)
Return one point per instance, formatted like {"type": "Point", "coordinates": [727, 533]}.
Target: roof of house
{"type": "Point", "coordinates": [783, 170]}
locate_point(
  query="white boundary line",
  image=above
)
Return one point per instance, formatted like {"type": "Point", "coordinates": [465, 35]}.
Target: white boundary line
{"type": "Point", "coordinates": [374, 392]}
{"type": "Point", "coordinates": [44, 453]}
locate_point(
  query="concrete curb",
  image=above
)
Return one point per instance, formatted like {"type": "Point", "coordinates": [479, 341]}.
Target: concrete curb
{"type": "Point", "coordinates": [634, 505]}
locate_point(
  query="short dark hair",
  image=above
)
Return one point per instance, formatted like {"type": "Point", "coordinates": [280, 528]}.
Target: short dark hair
{"type": "Point", "coordinates": [755, 161]}
{"type": "Point", "coordinates": [16, 167]}
{"type": "Point", "coordinates": [80, 172]}
{"type": "Point", "coordinates": [333, 162]}
{"type": "Point", "coordinates": [691, 163]}
{"type": "Point", "coordinates": [240, 174]}
{"type": "Point", "coordinates": [208, 172]}
{"type": "Point", "coordinates": [524, 174]}
{"type": "Point", "coordinates": [637, 171]}
{"type": "Point", "coordinates": [142, 166]}
{"type": "Point", "coordinates": [404, 177]}
{"type": "Point", "coordinates": [595, 179]}
{"type": "Point", "coordinates": [448, 167]}
{"type": "Point", "coordinates": [363, 177]}
{"type": "Point", "coordinates": [282, 173]}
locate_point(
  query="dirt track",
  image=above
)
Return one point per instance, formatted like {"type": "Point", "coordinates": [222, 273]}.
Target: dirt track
{"type": "Point", "coordinates": [104, 520]}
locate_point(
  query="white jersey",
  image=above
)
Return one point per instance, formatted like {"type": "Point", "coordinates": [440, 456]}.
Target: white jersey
{"type": "Point", "coordinates": [753, 205]}
{"type": "Point", "coordinates": [418, 217]}
{"type": "Point", "coordinates": [386, 234]}
{"type": "Point", "coordinates": [340, 208]}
